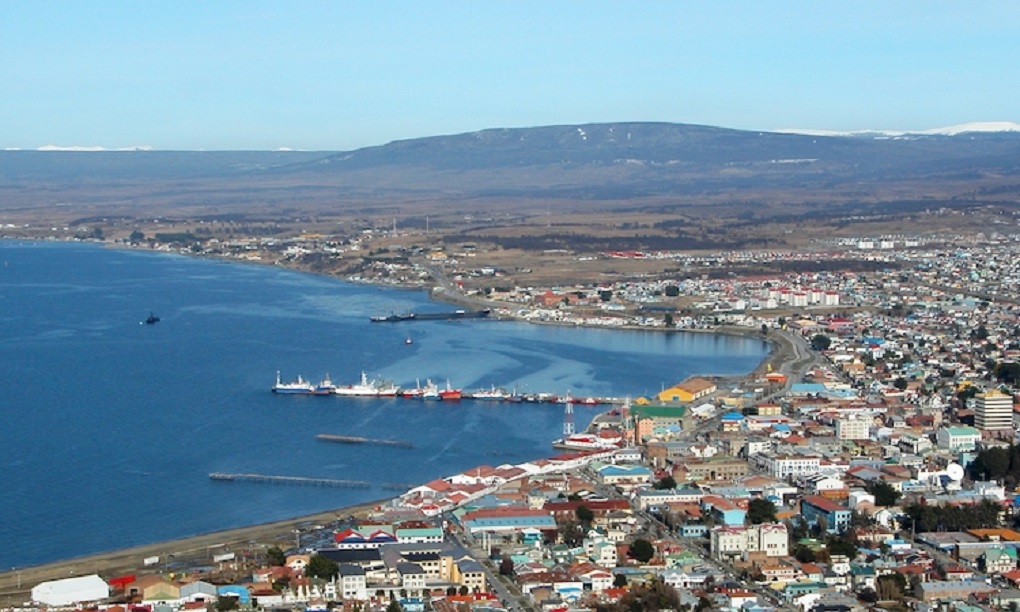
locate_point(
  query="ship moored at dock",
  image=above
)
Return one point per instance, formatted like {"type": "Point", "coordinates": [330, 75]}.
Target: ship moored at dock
{"type": "Point", "coordinates": [297, 387]}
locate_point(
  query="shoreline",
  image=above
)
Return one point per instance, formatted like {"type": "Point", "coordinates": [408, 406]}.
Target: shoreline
{"type": "Point", "coordinates": [194, 548]}
{"type": "Point", "coordinates": [199, 547]}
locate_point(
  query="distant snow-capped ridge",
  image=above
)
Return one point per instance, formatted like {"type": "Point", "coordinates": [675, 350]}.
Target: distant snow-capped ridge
{"type": "Point", "coordinates": [92, 148]}
{"type": "Point", "coordinates": [953, 130]}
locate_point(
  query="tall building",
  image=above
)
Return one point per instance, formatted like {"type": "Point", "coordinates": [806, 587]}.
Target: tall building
{"type": "Point", "coordinates": [993, 411]}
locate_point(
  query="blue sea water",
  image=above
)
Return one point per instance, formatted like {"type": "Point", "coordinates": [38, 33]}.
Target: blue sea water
{"type": "Point", "coordinates": [109, 428]}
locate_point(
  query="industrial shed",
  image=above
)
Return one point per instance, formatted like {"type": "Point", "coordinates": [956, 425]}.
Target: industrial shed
{"type": "Point", "coordinates": [71, 591]}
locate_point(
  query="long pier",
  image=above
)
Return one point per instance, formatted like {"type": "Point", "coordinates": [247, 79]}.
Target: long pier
{"type": "Point", "coordinates": [292, 480]}
{"type": "Point", "coordinates": [360, 440]}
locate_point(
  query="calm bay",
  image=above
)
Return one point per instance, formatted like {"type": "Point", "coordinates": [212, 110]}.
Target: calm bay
{"type": "Point", "coordinates": [110, 428]}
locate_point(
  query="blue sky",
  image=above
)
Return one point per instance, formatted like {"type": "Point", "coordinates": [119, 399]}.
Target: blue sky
{"type": "Point", "coordinates": [342, 75]}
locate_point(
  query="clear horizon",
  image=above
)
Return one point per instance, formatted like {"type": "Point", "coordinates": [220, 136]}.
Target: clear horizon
{"type": "Point", "coordinates": [338, 76]}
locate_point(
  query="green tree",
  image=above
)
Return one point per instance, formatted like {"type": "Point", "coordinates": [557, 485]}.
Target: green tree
{"type": "Point", "coordinates": [885, 494]}
{"type": "Point", "coordinates": [668, 319]}
{"type": "Point", "coordinates": [1008, 372]}
{"type": "Point", "coordinates": [891, 587]}
{"type": "Point", "coordinates": [761, 511]}
{"type": "Point", "coordinates": [224, 603]}
{"type": "Point", "coordinates": [570, 533]}
{"type": "Point", "coordinates": [275, 557]}
{"type": "Point", "coordinates": [665, 483]}
{"type": "Point", "coordinates": [821, 342]}
{"type": "Point", "coordinates": [137, 236]}
{"type": "Point", "coordinates": [642, 550]}
{"type": "Point", "coordinates": [672, 290]}
{"type": "Point", "coordinates": [394, 607]}
{"type": "Point", "coordinates": [321, 567]}
{"type": "Point", "coordinates": [900, 383]}
{"type": "Point", "coordinates": [804, 554]}
{"type": "Point", "coordinates": [837, 545]}
{"type": "Point", "coordinates": [506, 566]}
{"type": "Point", "coordinates": [619, 580]}
{"type": "Point", "coordinates": [584, 514]}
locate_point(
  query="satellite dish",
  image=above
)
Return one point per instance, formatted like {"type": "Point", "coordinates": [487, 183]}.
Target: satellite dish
{"type": "Point", "coordinates": [955, 471]}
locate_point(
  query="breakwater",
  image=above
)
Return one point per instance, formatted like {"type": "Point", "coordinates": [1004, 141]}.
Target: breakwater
{"type": "Point", "coordinates": [362, 440]}
{"type": "Point", "coordinates": [291, 480]}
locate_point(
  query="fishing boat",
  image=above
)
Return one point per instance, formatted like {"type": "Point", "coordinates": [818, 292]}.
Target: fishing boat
{"type": "Point", "coordinates": [367, 388]}
{"type": "Point", "coordinates": [430, 391]}
{"type": "Point", "coordinates": [493, 394]}
{"type": "Point", "coordinates": [299, 386]}
{"type": "Point", "coordinates": [449, 393]}
{"type": "Point", "coordinates": [325, 387]}
{"type": "Point", "coordinates": [152, 319]}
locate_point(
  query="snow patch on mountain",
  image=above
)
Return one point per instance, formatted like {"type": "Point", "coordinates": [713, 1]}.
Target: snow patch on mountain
{"type": "Point", "coordinates": [985, 127]}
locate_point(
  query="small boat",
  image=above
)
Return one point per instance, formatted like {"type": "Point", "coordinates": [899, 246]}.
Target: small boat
{"type": "Point", "coordinates": [152, 320]}
{"type": "Point", "coordinates": [299, 386]}
{"type": "Point", "coordinates": [408, 341]}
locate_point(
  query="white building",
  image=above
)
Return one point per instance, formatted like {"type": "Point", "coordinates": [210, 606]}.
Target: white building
{"type": "Point", "coordinates": [352, 582]}
{"type": "Point", "coordinates": [853, 428]}
{"type": "Point", "coordinates": [993, 411]}
{"type": "Point", "coordinates": [732, 542]}
{"type": "Point", "coordinates": [71, 591]}
{"type": "Point", "coordinates": [785, 466]}
{"type": "Point", "coordinates": [956, 439]}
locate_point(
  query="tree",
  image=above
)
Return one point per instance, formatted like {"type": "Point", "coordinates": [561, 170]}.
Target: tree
{"type": "Point", "coordinates": [821, 342]}
{"type": "Point", "coordinates": [506, 566]}
{"type": "Point", "coordinates": [570, 533]}
{"type": "Point", "coordinates": [322, 567]}
{"type": "Point", "coordinates": [619, 580]}
{"type": "Point", "coordinates": [463, 590]}
{"type": "Point", "coordinates": [891, 587]}
{"type": "Point", "coordinates": [804, 554]}
{"type": "Point", "coordinates": [761, 511]}
{"type": "Point", "coordinates": [394, 606]}
{"type": "Point", "coordinates": [764, 329]}
{"type": "Point", "coordinates": [584, 514]}
{"type": "Point", "coordinates": [642, 550]}
{"type": "Point", "coordinates": [840, 546]}
{"type": "Point", "coordinates": [137, 236]}
{"type": "Point", "coordinates": [672, 290]}
{"type": "Point", "coordinates": [224, 603]}
{"type": "Point", "coordinates": [668, 319]}
{"type": "Point", "coordinates": [885, 494]}
{"type": "Point", "coordinates": [665, 483]}
{"type": "Point", "coordinates": [900, 383]}
{"type": "Point", "coordinates": [275, 557]}
{"type": "Point", "coordinates": [1008, 372]}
